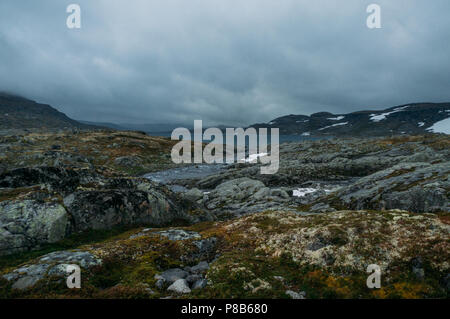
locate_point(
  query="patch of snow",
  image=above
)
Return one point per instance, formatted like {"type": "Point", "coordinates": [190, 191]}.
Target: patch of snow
{"type": "Point", "coordinates": [421, 124]}
{"type": "Point", "coordinates": [271, 123]}
{"type": "Point", "coordinates": [304, 121]}
{"type": "Point", "coordinates": [301, 192]}
{"type": "Point", "coordinates": [306, 134]}
{"type": "Point", "coordinates": [337, 124]}
{"type": "Point", "coordinates": [252, 158]}
{"type": "Point", "coordinates": [382, 116]}
{"type": "Point", "coordinates": [336, 118]}
{"type": "Point", "coordinates": [441, 127]}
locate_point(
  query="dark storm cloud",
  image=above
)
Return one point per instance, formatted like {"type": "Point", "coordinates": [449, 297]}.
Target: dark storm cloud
{"type": "Point", "coordinates": [223, 61]}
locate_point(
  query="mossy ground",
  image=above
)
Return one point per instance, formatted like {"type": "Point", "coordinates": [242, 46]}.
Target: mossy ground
{"type": "Point", "coordinates": [266, 254]}
{"type": "Point", "coordinates": [101, 148]}
{"type": "Point", "coordinates": [324, 255]}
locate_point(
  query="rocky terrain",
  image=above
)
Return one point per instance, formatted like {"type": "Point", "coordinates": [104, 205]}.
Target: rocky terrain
{"type": "Point", "coordinates": [410, 119]}
{"type": "Point", "coordinates": [113, 153]}
{"type": "Point", "coordinates": [309, 231]}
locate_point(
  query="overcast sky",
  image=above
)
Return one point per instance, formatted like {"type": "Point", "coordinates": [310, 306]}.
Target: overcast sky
{"type": "Point", "coordinates": [223, 61]}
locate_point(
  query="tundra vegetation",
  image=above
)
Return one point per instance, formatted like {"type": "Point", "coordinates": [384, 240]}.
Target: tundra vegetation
{"type": "Point", "coordinates": [79, 198]}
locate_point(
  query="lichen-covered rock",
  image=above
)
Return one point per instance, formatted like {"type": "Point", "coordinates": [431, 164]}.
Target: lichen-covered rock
{"type": "Point", "coordinates": [53, 264]}
{"type": "Point", "coordinates": [193, 194]}
{"type": "Point", "coordinates": [415, 187]}
{"type": "Point", "coordinates": [328, 254]}
{"type": "Point", "coordinates": [337, 159]}
{"type": "Point", "coordinates": [53, 178]}
{"type": "Point", "coordinates": [200, 284]}
{"type": "Point", "coordinates": [242, 196]}
{"type": "Point", "coordinates": [27, 224]}
{"type": "Point", "coordinates": [100, 209]}
{"type": "Point", "coordinates": [178, 234]}
{"type": "Point", "coordinates": [74, 201]}
{"type": "Point", "coordinates": [172, 275]}
{"type": "Point", "coordinates": [265, 255]}
{"type": "Point", "coordinates": [202, 266]}
{"type": "Point", "coordinates": [337, 239]}
{"type": "Point", "coordinates": [180, 287]}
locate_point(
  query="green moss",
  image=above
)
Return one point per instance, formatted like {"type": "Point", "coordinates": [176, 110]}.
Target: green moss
{"type": "Point", "coordinates": [109, 274]}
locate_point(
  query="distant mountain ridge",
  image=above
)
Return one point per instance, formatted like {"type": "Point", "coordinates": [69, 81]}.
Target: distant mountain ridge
{"type": "Point", "coordinates": [415, 118]}
{"type": "Point", "coordinates": [17, 112]}
{"type": "Point", "coordinates": [150, 127]}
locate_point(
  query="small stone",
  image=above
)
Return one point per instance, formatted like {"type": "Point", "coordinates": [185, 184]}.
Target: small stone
{"type": "Point", "coordinates": [296, 295]}
{"type": "Point", "coordinates": [200, 284]}
{"type": "Point", "coordinates": [160, 283]}
{"type": "Point", "coordinates": [193, 278]}
{"type": "Point", "coordinates": [172, 275]}
{"type": "Point", "coordinates": [180, 286]}
{"type": "Point", "coordinates": [200, 267]}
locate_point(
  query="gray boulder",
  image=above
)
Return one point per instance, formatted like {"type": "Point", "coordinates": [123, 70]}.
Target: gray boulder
{"type": "Point", "coordinates": [201, 267]}
{"type": "Point", "coordinates": [193, 195]}
{"type": "Point", "coordinates": [52, 264]}
{"type": "Point", "coordinates": [415, 187]}
{"type": "Point", "coordinates": [180, 287]}
{"type": "Point", "coordinates": [27, 224]}
{"type": "Point", "coordinates": [172, 275]}
{"type": "Point", "coordinates": [104, 209]}
{"type": "Point", "coordinates": [200, 284]}
{"type": "Point", "coordinates": [242, 196]}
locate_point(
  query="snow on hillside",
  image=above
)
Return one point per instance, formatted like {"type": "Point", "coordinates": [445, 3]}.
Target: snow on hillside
{"type": "Point", "coordinates": [336, 118]}
{"type": "Point", "coordinates": [382, 116]}
{"type": "Point", "coordinates": [337, 124]}
{"type": "Point", "coordinates": [441, 127]}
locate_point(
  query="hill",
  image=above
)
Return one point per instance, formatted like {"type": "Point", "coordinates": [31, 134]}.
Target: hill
{"type": "Point", "coordinates": [412, 119]}
{"type": "Point", "coordinates": [20, 113]}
